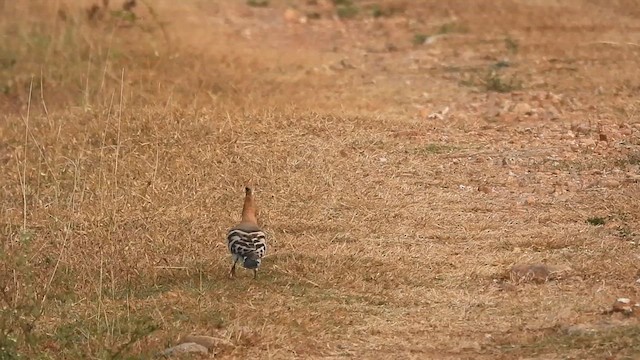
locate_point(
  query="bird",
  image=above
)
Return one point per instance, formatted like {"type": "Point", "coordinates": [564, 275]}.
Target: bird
{"type": "Point", "coordinates": [247, 242]}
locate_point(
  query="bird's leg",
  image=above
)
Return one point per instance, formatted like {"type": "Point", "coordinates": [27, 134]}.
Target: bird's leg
{"type": "Point", "coordinates": [255, 274]}
{"type": "Point", "coordinates": [232, 273]}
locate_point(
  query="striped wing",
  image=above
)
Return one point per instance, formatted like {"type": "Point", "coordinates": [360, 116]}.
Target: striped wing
{"type": "Point", "coordinates": [247, 244]}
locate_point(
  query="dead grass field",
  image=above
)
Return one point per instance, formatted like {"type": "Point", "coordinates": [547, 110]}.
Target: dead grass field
{"type": "Point", "coordinates": [405, 155]}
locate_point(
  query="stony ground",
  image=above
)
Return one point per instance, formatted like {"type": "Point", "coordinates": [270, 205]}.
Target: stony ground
{"type": "Point", "coordinates": [439, 179]}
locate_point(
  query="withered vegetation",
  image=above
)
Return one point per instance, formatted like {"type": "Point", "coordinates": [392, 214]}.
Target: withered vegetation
{"type": "Point", "coordinates": [398, 179]}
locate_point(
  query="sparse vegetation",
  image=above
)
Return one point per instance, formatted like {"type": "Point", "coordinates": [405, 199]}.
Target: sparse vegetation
{"type": "Point", "coordinates": [599, 342]}
{"type": "Point", "coordinates": [434, 149]}
{"type": "Point", "coordinates": [452, 28]}
{"type": "Point", "coordinates": [494, 81]}
{"type": "Point", "coordinates": [129, 131]}
{"type": "Point", "coordinates": [511, 44]}
{"type": "Point", "coordinates": [596, 221]}
{"type": "Point", "coordinates": [376, 11]}
{"type": "Point", "coordinates": [258, 3]}
{"type": "Point", "coordinates": [419, 39]}
{"type": "Point", "coordinates": [386, 9]}
{"type": "Point", "coordinates": [346, 8]}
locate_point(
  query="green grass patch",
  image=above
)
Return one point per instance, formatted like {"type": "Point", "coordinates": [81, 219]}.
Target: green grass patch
{"type": "Point", "coordinates": [434, 149]}
{"type": "Point", "coordinates": [347, 11]}
{"type": "Point", "coordinates": [596, 221]}
{"type": "Point", "coordinates": [494, 81]}
{"type": "Point", "coordinates": [452, 28]}
{"type": "Point", "coordinates": [258, 3]}
{"type": "Point", "coordinates": [419, 39]}
{"type": "Point", "coordinates": [511, 44]}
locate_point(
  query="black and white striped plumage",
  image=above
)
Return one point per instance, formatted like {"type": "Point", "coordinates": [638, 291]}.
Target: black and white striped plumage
{"type": "Point", "coordinates": [246, 241]}
{"type": "Point", "coordinates": [247, 246]}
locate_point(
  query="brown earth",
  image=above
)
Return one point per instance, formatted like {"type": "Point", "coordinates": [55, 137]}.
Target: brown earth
{"type": "Point", "coordinates": [405, 154]}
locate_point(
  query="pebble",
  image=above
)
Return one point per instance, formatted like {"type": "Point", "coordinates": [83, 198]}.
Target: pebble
{"type": "Point", "coordinates": [184, 348]}
{"type": "Point", "coordinates": [523, 109]}
{"type": "Point", "coordinates": [568, 135]}
{"type": "Point", "coordinates": [552, 113]}
{"type": "Point", "coordinates": [609, 183]}
{"type": "Point", "coordinates": [530, 200]}
{"type": "Point", "coordinates": [292, 15]}
{"type": "Point", "coordinates": [625, 306]}
{"type": "Point", "coordinates": [581, 128]}
{"type": "Point", "coordinates": [209, 342]}
{"type": "Point", "coordinates": [530, 272]}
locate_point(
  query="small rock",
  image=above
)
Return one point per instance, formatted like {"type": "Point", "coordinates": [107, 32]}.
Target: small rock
{"type": "Point", "coordinates": [604, 137]}
{"type": "Point", "coordinates": [506, 105]}
{"type": "Point", "coordinates": [626, 131]}
{"type": "Point", "coordinates": [485, 189]}
{"type": "Point", "coordinates": [594, 328]}
{"type": "Point", "coordinates": [184, 348]}
{"type": "Point", "coordinates": [530, 200]}
{"type": "Point", "coordinates": [551, 113]}
{"type": "Point", "coordinates": [581, 128]}
{"type": "Point", "coordinates": [465, 345]}
{"type": "Point", "coordinates": [530, 272]}
{"type": "Point", "coordinates": [572, 187]}
{"type": "Point", "coordinates": [504, 286]}
{"type": "Point", "coordinates": [246, 33]}
{"type": "Point", "coordinates": [638, 281]}
{"type": "Point", "coordinates": [625, 306]}
{"type": "Point", "coordinates": [555, 98]}
{"type": "Point", "coordinates": [588, 142]}
{"type": "Point", "coordinates": [580, 329]}
{"type": "Point", "coordinates": [438, 115]}
{"type": "Point", "coordinates": [522, 109]}
{"type": "Point", "coordinates": [209, 342]}
{"type": "Point", "coordinates": [492, 111]}
{"type": "Point", "coordinates": [609, 183]}
{"type": "Point", "coordinates": [633, 178]}
{"type": "Point", "coordinates": [568, 135]}
{"type": "Point", "coordinates": [292, 15]}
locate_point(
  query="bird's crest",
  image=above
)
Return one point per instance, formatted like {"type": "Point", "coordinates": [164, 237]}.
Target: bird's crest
{"type": "Point", "coordinates": [249, 208]}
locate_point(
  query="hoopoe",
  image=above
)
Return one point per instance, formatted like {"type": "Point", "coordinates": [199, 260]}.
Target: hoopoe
{"type": "Point", "coordinates": [246, 241]}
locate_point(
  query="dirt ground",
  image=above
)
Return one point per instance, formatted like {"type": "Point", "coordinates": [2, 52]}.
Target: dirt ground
{"type": "Point", "coordinates": [405, 156]}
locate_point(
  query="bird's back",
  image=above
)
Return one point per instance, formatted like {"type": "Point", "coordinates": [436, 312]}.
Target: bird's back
{"type": "Point", "coordinates": [247, 243]}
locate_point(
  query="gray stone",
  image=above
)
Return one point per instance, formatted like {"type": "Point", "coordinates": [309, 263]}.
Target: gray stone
{"type": "Point", "coordinates": [184, 348]}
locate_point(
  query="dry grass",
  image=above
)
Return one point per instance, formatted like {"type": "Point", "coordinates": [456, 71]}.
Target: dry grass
{"type": "Point", "coordinates": [126, 144]}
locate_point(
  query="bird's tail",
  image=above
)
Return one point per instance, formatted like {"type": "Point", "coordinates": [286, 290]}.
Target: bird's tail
{"type": "Point", "coordinates": [251, 262]}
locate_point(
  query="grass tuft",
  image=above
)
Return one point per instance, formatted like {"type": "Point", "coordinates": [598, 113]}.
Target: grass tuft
{"type": "Point", "coordinates": [596, 221]}
{"type": "Point", "coordinates": [493, 81]}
